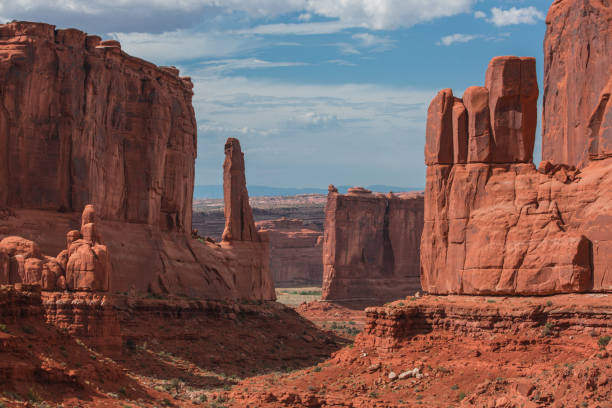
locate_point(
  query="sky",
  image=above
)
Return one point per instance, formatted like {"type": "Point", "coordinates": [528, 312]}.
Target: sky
{"type": "Point", "coordinates": [317, 91]}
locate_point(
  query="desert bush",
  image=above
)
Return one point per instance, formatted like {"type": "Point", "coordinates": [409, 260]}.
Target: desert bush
{"type": "Point", "coordinates": [603, 341]}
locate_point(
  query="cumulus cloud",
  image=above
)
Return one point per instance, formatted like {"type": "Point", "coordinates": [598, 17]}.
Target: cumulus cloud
{"type": "Point", "coordinates": [480, 14]}
{"type": "Point", "coordinates": [457, 38]}
{"type": "Point", "coordinates": [513, 16]}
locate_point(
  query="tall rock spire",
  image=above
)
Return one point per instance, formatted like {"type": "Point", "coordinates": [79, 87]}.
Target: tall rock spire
{"type": "Point", "coordinates": [239, 224]}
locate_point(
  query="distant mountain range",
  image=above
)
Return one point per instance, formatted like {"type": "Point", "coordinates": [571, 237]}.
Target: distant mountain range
{"type": "Point", "coordinates": [216, 191]}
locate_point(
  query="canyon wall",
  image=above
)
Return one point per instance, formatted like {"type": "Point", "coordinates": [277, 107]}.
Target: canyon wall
{"type": "Point", "coordinates": [371, 245]}
{"type": "Point", "coordinates": [493, 223]}
{"type": "Point", "coordinates": [577, 82]}
{"type": "Point", "coordinates": [82, 122]}
{"type": "Point", "coordinates": [295, 252]}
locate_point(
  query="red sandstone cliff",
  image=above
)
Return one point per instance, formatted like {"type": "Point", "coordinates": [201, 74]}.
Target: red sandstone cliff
{"type": "Point", "coordinates": [577, 82]}
{"type": "Point", "coordinates": [371, 245]}
{"type": "Point", "coordinates": [295, 252]}
{"type": "Point", "coordinates": [83, 122]}
{"type": "Point", "coordinates": [496, 225]}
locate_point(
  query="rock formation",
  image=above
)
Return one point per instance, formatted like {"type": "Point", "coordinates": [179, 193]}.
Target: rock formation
{"type": "Point", "coordinates": [296, 252]}
{"type": "Point", "coordinates": [110, 129]}
{"type": "Point", "coordinates": [83, 122]}
{"type": "Point", "coordinates": [371, 245]}
{"type": "Point", "coordinates": [239, 224]}
{"type": "Point", "coordinates": [85, 264]}
{"type": "Point", "coordinates": [496, 225]}
{"type": "Point", "coordinates": [577, 59]}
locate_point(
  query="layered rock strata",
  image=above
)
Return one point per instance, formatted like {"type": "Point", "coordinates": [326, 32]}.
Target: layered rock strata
{"type": "Point", "coordinates": [83, 122]}
{"type": "Point", "coordinates": [577, 117]}
{"type": "Point", "coordinates": [388, 327]}
{"type": "Point", "coordinates": [371, 245]}
{"type": "Point", "coordinates": [296, 252]}
{"type": "Point", "coordinates": [495, 224]}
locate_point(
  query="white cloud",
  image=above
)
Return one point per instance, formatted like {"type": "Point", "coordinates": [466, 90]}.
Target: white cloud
{"type": "Point", "coordinates": [228, 65]}
{"type": "Point", "coordinates": [313, 132]}
{"type": "Point", "coordinates": [296, 29]}
{"type": "Point", "coordinates": [480, 14]}
{"type": "Point", "coordinates": [182, 45]}
{"type": "Point", "coordinates": [372, 14]}
{"type": "Point", "coordinates": [527, 15]}
{"type": "Point", "coordinates": [341, 62]}
{"type": "Point", "coordinates": [388, 14]}
{"type": "Point", "coordinates": [368, 40]}
{"type": "Point", "coordinates": [305, 17]}
{"type": "Point", "coordinates": [457, 38]}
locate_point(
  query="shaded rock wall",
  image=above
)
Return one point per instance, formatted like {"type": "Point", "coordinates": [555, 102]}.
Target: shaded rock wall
{"type": "Point", "coordinates": [371, 245]}
{"type": "Point", "coordinates": [296, 252]}
{"type": "Point", "coordinates": [82, 122]}
{"type": "Point", "coordinates": [577, 117]}
{"type": "Point", "coordinates": [496, 225]}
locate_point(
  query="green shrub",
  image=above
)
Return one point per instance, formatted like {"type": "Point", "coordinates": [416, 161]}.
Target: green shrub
{"type": "Point", "coordinates": [461, 395]}
{"type": "Point", "coordinates": [603, 341]}
{"type": "Point", "coordinates": [3, 328]}
{"type": "Point", "coordinates": [455, 387]}
{"type": "Point", "coordinates": [549, 303]}
{"type": "Point", "coordinates": [317, 369]}
{"type": "Point", "coordinates": [27, 329]}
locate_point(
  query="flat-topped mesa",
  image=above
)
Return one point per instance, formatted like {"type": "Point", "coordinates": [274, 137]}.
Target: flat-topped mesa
{"type": "Point", "coordinates": [493, 223]}
{"type": "Point", "coordinates": [494, 124]}
{"type": "Point", "coordinates": [371, 245]}
{"type": "Point", "coordinates": [111, 129]}
{"type": "Point", "coordinates": [239, 223]}
{"type": "Point", "coordinates": [577, 115]}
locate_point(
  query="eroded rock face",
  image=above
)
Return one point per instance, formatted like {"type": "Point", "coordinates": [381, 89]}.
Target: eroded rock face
{"type": "Point", "coordinates": [296, 252]}
{"type": "Point", "coordinates": [371, 245]}
{"type": "Point", "coordinates": [499, 226]}
{"type": "Point", "coordinates": [577, 56]}
{"type": "Point", "coordinates": [110, 129]}
{"type": "Point", "coordinates": [84, 266]}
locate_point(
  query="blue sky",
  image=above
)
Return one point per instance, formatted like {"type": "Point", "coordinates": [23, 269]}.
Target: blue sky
{"type": "Point", "coordinates": [317, 91]}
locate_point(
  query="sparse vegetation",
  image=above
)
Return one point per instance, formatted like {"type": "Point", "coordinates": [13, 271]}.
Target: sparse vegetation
{"type": "Point", "coordinates": [603, 341]}
{"type": "Point", "coordinates": [461, 395]}
{"type": "Point", "coordinates": [27, 329]}
{"type": "Point", "coordinates": [547, 331]}
{"type": "Point", "coordinates": [549, 303]}
{"type": "Point", "coordinates": [3, 328]}
{"type": "Point", "coordinates": [455, 387]}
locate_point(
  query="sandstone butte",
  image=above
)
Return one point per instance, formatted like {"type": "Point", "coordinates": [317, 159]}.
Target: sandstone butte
{"type": "Point", "coordinates": [494, 224]}
{"type": "Point", "coordinates": [117, 132]}
{"type": "Point", "coordinates": [296, 252]}
{"type": "Point", "coordinates": [371, 245]}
